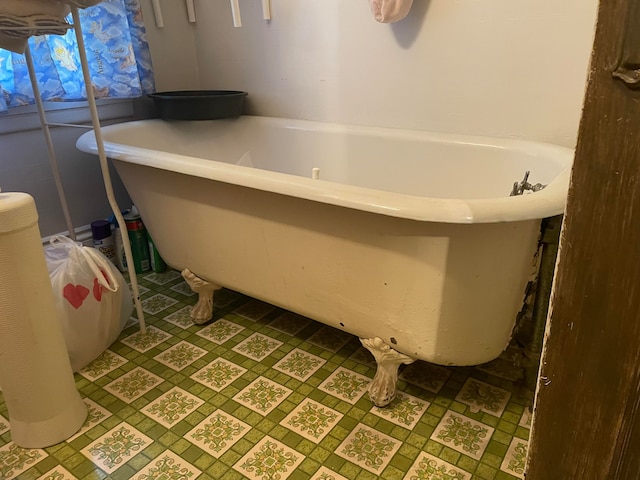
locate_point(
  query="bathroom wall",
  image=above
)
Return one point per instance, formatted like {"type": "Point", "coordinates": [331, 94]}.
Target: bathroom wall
{"type": "Point", "coordinates": [173, 48]}
{"type": "Point", "coordinates": [24, 167]}
{"type": "Point", "coordinates": [505, 68]}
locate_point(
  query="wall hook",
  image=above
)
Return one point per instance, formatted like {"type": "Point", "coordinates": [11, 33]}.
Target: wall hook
{"type": "Point", "coordinates": [235, 12]}
{"type": "Point", "coordinates": [157, 12]}
{"type": "Point", "coordinates": [266, 9]}
{"type": "Point", "coordinates": [191, 11]}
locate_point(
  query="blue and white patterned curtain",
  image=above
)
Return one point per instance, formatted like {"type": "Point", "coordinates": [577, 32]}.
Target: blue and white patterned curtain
{"type": "Point", "coordinates": [117, 52]}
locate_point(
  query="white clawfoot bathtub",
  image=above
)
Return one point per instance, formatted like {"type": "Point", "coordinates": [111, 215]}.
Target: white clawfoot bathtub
{"type": "Point", "coordinates": [407, 237]}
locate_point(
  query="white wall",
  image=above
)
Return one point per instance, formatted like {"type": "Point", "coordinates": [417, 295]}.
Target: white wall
{"type": "Point", "coordinates": [173, 48]}
{"type": "Point", "coordinates": [24, 167]}
{"type": "Point", "coordinates": [504, 68]}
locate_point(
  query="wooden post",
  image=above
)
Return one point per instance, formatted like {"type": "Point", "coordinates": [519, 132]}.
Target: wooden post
{"type": "Point", "coordinates": [586, 423]}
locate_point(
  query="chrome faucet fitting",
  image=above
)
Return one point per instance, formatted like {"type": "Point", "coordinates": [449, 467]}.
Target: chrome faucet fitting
{"type": "Point", "coordinates": [524, 185]}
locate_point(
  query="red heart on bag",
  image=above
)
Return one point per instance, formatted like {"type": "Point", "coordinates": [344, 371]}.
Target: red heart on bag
{"type": "Point", "coordinates": [75, 294]}
{"type": "Point", "coordinates": [97, 289]}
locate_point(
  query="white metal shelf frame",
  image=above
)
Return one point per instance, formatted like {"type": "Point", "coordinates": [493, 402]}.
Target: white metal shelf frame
{"type": "Point", "coordinates": [104, 166]}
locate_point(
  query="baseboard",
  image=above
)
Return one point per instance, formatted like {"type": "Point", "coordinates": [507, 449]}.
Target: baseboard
{"type": "Point", "coordinates": [83, 235]}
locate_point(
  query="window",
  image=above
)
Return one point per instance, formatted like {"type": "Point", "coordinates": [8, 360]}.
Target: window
{"type": "Point", "coordinates": [117, 52]}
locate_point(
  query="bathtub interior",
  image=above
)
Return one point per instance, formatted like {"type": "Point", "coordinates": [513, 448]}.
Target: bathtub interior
{"type": "Point", "coordinates": [422, 164]}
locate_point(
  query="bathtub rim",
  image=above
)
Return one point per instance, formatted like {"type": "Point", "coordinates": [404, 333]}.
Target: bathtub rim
{"type": "Point", "coordinates": [545, 203]}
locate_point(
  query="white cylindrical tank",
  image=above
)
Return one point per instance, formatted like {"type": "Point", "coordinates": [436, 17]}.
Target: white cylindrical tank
{"type": "Point", "coordinates": [44, 405]}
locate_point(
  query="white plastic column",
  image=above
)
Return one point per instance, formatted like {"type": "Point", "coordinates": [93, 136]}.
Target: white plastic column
{"type": "Point", "coordinates": [44, 405]}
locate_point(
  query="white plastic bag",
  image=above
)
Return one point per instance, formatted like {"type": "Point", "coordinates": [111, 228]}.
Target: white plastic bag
{"type": "Point", "coordinates": [92, 297]}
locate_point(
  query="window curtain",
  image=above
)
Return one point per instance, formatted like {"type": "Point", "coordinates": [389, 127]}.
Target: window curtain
{"type": "Point", "coordinates": [117, 53]}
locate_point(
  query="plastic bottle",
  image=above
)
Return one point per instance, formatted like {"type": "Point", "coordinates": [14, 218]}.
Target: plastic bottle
{"type": "Point", "coordinates": [157, 263]}
{"type": "Point", "coordinates": [138, 240]}
{"type": "Point", "coordinates": [121, 258]}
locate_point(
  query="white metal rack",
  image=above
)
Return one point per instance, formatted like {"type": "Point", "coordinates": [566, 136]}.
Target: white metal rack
{"type": "Point", "coordinates": [106, 175]}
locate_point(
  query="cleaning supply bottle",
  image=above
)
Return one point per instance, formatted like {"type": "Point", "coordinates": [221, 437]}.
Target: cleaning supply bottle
{"type": "Point", "coordinates": [103, 241]}
{"type": "Point", "coordinates": [157, 263]}
{"type": "Point", "coordinates": [138, 240]}
{"type": "Point", "coordinates": [120, 258]}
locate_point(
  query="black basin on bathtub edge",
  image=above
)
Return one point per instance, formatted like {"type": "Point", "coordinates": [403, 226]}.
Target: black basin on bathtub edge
{"type": "Point", "coordinates": [199, 104]}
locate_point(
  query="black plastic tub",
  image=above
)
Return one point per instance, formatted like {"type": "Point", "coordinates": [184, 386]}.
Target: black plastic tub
{"type": "Point", "coordinates": [199, 104]}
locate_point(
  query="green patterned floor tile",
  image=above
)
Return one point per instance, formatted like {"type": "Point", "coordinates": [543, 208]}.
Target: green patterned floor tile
{"type": "Point", "coordinates": [296, 387]}
{"type": "Point", "coordinates": [491, 460]}
{"type": "Point", "coordinates": [270, 459]}
{"type": "Point", "coordinates": [486, 472]}
{"type": "Point", "coordinates": [522, 433]}
{"type": "Point", "coordinates": [430, 467]}
{"type": "Point", "coordinates": [467, 464]}
{"type": "Point", "coordinates": [504, 476]}
{"type": "Point", "coordinates": [368, 448]}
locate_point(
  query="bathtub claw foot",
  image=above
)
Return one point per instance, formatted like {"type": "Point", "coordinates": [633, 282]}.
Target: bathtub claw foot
{"type": "Point", "coordinates": [382, 390]}
{"type": "Point", "coordinates": [202, 311]}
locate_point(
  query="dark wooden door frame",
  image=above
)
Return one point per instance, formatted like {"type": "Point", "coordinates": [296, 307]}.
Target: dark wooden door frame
{"type": "Point", "coordinates": [587, 421]}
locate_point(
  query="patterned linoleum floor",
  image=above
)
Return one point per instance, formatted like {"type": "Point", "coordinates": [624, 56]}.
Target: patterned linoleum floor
{"type": "Point", "coordinates": [262, 393]}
